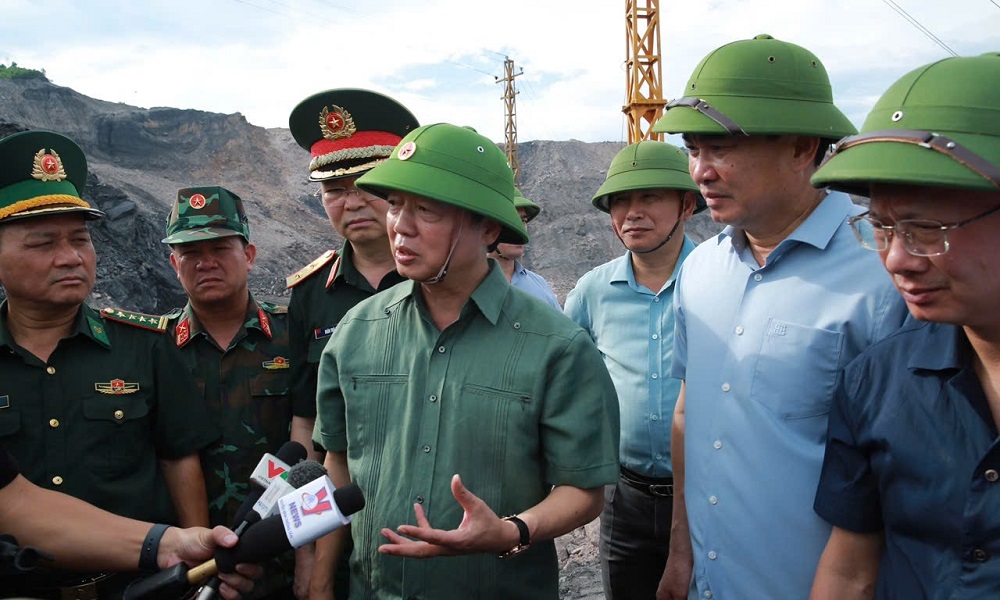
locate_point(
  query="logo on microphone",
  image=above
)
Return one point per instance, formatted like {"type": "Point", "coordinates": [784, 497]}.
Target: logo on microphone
{"type": "Point", "coordinates": [315, 505]}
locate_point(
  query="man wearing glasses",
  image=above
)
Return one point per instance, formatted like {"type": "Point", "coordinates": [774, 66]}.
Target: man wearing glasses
{"type": "Point", "coordinates": [347, 132]}
{"type": "Point", "coordinates": [910, 480]}
{"type": "Point", "coordinates": [766, 315]}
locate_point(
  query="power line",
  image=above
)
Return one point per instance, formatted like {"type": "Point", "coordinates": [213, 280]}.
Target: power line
{"type": "Point", "coordinates": [995, 3]}
{"type": "Point", "coordinates": [913, 21]}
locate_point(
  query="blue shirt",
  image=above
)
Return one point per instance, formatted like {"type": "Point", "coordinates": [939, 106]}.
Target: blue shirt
{"type": "Point", "coordinates": [760, 349]}
{"type": "Point", "coordinates": [534, 284]}
{"type": "Point", "coordinates": [633, 328]}
{"type": "Point", "coordinates": [913, 451]}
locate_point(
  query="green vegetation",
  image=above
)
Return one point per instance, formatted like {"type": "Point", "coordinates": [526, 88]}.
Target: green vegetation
{"type": "Point", "coordinates": [16, 72]}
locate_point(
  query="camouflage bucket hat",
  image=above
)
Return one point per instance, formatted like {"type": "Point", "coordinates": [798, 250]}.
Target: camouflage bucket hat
{"type": "Point", "coordinates": [454, 165]}
{"type": "Point", "coordinates": [205, 213]}
{"type": "Point", "coordinates": [348, 131]}
{"type": "Point", "coordinates": [645, 166]}
{"type": "Point", "coordinates": [42, 173]}
{"type": "Point", "coordinates": [761, 86]}
{"type": "Point", "coordinates": [531, 210]}
{"type": "Point", "coordinates": [938, 125]}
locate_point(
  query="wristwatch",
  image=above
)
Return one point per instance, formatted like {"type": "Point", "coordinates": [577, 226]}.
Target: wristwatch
{"type": "Point", "coordinates": [525, 540]}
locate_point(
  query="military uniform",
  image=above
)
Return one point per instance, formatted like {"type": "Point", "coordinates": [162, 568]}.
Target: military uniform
{"type": "Point", "coordinates": [321, 293]}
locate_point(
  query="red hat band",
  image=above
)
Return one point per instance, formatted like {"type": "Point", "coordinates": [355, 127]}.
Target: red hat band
{"type": "Point", "coordinates": [361, 145]}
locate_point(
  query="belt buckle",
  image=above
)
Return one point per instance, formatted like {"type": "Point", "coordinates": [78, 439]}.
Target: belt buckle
{"type": "Point", "coordinates": [663, 490]}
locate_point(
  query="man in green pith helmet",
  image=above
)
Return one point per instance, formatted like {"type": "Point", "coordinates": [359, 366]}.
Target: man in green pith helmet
{"type": "Point", "coordinates": [479, 422]}
{"type": "Point", "coordinates": [910, 477]}
{"type": "Point", "coordinates": [236, 348]}
{"type": "Point", "coordinates": [347, 132]}
{"type": "Point", "coordinates": [509, 255]}
{"type": "Point", "coordinates": [91, 402]}
{"type": "Point", "coordinates": [626, 305]}
{"type": "Point", "coordinates": [766, 314]}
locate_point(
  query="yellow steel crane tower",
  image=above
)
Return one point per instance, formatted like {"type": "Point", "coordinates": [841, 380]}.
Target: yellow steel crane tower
{"type": "Point", "coordinates": [510, 115]}
{"type": "Point", "coordinates": [643, 72]}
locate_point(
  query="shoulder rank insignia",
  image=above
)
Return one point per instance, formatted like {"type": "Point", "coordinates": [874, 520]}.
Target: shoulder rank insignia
{"type": "Point", "coordinates": [272, 308]}
{"type": "Point", "coordinates": [279, 362]}
{"type": "Point", "coordinates": [116, 387]}
{"type": "Point", "coordinates": [141, 320]}
{"type": "Point", "coordinates": [299, 276]}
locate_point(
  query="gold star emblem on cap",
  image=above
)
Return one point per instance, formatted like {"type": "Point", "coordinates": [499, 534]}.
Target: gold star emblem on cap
{"type": "Point", "coordinates": [336, 124]}
{"type": "Point", "coordinates": [48, 166]}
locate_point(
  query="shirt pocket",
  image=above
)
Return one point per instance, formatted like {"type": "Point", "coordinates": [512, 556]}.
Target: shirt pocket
{"type": "Point", "coordinates": [10, 422]}
{"type": "Point", "coordinates": [502, 432]}
{"type": "Point", "coordinates": [368, 400]}
{"type": "Point", "coordinates": [118, 433]}
{"type": "Point", "coordinates": [796, 369]}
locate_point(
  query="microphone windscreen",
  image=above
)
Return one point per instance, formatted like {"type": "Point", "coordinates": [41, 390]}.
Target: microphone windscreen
{"type": "Point", "coordinates": [258, 543]}
{"type": "Point", "coordinates": [349, 499]}
{"type": "Point", "coordinates": [291, 452]}
{"type": "Point", "coordinates": [305, 472]}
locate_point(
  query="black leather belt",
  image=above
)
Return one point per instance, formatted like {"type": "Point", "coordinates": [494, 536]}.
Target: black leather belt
{"type": "Point", "coordinates": [662, 487]}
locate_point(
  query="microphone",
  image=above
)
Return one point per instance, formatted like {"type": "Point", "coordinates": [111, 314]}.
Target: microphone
{"type": "Point", "coordinates": [306, 514]}
{"type": "Point", "coordinates": [267, 470]}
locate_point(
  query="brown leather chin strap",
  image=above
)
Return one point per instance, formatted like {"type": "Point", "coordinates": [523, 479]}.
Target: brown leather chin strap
{"type": "Point", "coordinates": [931, 141]}
{"type": "Point", "coordinates": [709, 111]}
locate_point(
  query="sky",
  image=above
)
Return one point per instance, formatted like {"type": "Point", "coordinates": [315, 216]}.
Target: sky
{"type": "Point", "coordinates": [441, 58]}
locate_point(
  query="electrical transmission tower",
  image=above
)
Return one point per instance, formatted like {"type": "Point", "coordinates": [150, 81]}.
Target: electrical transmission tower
{"type": "Point", "coordinates": [643, 72]}
{"type": "Point", "coordinates": [510, 114]}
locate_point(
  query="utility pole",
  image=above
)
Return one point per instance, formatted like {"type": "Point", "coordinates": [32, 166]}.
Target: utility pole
{"type": "Point", "coordinates": [510, 115]}
{"type": "Point", "coordinates": [643, 72]}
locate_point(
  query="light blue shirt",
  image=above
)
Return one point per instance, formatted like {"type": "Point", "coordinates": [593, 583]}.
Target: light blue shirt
{"type": "Point", "coordinates": [534, 284]}
{"type": "Point", "coordinates": [633, 328]}
{"type": "Point", "coordinates": [760, 349]}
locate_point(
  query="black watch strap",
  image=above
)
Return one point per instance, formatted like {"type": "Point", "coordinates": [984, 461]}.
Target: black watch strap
{"type": "Point", "coordinates": [151, 548]}
{"type": "Point", "coordinates": [523, 542]}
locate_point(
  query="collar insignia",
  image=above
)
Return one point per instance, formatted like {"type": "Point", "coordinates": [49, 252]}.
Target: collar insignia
{"type": "Point", "coordinates": [183, 331]}
{"type": "Point", "coordinates": [265, 322]}
{"type": "Point", "coordinates": [336, 124]}
{"type": "Point", "coordinates": [117, 387]}
{"type": "Point", "coordinates": [48, 166]}
{"type": "Point", "coordinates": [279, 362]}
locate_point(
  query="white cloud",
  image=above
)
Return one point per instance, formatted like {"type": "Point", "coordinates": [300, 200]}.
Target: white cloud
{"type": "Point", "coordinates": [440, 57]}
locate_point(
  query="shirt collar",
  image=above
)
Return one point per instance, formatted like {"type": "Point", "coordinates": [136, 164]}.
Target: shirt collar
{"type": "Point", "coordinates": [624, 272]}
{"type": "Point", "coordinates": [935, 350]}
{"type": "Point", "coordinates": [88, 323]}
{"type": "Point", "coordinates": [816, 230]}
{"type": "Point", "coordinates": [488, 297]}
{"type": "Point", "coordinates": [188, 326]}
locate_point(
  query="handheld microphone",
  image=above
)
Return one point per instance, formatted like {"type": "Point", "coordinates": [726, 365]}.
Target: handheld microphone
{"type": "Point", "coordinates": [268, 469]}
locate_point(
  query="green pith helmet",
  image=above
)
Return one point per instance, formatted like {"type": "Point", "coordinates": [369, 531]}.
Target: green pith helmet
{"type": "Point", "coordinates": [938, 125]}
{"type": "Point", "coordinates": [454, 165]}
{"type": "Point", "coordinates": [531, 210]}
{"type": "Point", "coordinates": [761, 86]}
{"type": "Point", "coordinates": [348, 131]}
{"type": "Point", "coordinates": [42, 173]}
{"type": "Point", "coordinates": [205, 213]}
{"type": "Point", "coordinates": [644, 166]}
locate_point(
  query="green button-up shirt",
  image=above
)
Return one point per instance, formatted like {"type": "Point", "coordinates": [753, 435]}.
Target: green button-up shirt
{"type": "Point", "coordinates": [513, 396]}
{"type": "Point", "coordinates": [245, 387]}
{"type": "Point", "coordinates": [317, 305]}
{"type": "Point", "coordinates": [93, 420]}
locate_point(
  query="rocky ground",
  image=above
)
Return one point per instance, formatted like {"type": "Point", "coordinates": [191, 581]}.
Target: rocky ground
{"type": "Point", "coordinates": [580, 571]}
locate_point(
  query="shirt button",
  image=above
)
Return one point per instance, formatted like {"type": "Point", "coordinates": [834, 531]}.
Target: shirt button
{"type": "Point", "coordinates": [708, 593]}
{"type": "Point", "coordinates": [420, 499]}
{"type": "Point", "coordinates": [53, 423]}
{"type": "Point", "coordinates": [725, 387]}
{"type": "Point", "coordinates": [713, 500]}
{"type": "Point", "coordinates": [655, 375]}
{"type": "Point", "coordinates": [119, 415]}
{"type": "Point", "coordinates": [656, 337]}
{"type": "Point", "coordinates": [654, 417]}
{"type": "Point", "coordinates": [991, 475]}
{"type": "Point", "coordinates": [712, 555]}
{"type": "Point", "coordinates": [517, 325]}
{"type": "Point", "coordinates": [739, 330]}
{"type": "Point", "coordinates": [427, 448]}
{"type": "Point", "coordinates": [440, 349]}
{"type": "Point", "coordinates": [980, 555]}
{"type": "Point", "coordinates": [758, 277]}
{"type": "Point", "coordinates": [717, 444]}
{"type": "Point", "coordinates": [659, 457]}
{"type": "Point", "coordinates": [656, 299]}
{"type": "Point", "coordinates": [57, 480]}
{"type": "Point", "coordinates": [50, 370]}
{"type": "Point", "coordinates": [433, 398]}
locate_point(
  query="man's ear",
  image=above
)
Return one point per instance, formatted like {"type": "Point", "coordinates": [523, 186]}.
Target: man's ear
{"type": "Point", "coordinates": [690, 200]}
{"type": "Point", "coordinates": [491, 234]}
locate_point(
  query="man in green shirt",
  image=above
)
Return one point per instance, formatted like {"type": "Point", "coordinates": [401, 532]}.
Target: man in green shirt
{"type": "Point", "coordinates": [236, 348]}
{"type": "Point", "coordinates": [468, 400]}
{"type": "Point", "coordinates": [92, 403]}
{"type": "Point", "coordinates": [347, 132]}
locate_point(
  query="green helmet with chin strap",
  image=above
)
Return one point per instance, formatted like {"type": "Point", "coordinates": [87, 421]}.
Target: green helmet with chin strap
{"type": "Point", "coordinates": [761, 86]}
{"type": "Point", "coordinates": [643, 166]}
{"type": "Point", "coordinates": [531, 210]}
{"type": "Point", "coordinates": [456, 166]}
{"type": "Point", "coordinates": [938, 125]}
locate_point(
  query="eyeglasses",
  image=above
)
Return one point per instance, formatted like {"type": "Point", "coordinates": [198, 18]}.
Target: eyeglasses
{"type": "Point", "coordinates": [920, 237]}
{"type": "Point", "coordinates": [338, 196]}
